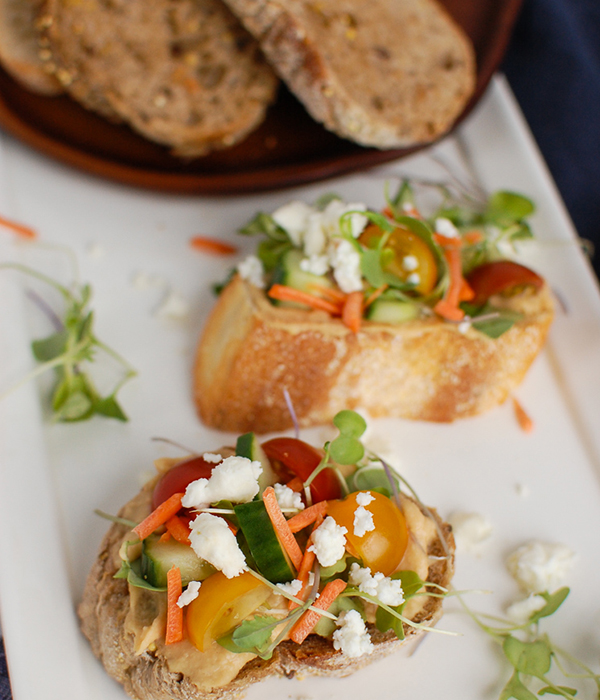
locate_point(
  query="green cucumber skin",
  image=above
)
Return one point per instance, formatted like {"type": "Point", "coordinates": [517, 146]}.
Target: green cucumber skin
{"type": "Point", "coordinates": [158, 557]}
{"type": "Point", "coordinates": [267, 552]}
{"type": "Point", "coordinates": [289, 273]}
{"type": "Point", "coordinates": [388, 311]}
{"type": "Point", "coordinates": [248, 446]}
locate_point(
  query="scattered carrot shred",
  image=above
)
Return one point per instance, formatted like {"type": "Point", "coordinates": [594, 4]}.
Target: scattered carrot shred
{"type": "Point", "coordinates": [448, 306]}
{"type": "Point", "coordinates": [178, 529]}
{"type": "Point", "coordinates": [524, 420]}
{"type": "Point", "coordinates": [306, 565]}
{"type": "Point", "coordinates": [466, 292]}
{"type": "Point", "coordinates": [336, 296]}
{"type": "Point", "coordinates": [282, 292]}
{"type": "Point", "coordinates": [307, 517]}
{"type": "Point", "coordinates": [158, 517]}
{"type": "Point", "coordinates": [352, 311]}
{"type": "Point", "coordinates": [212, 245]}
{"type": "Point", "coordinates": [309, 619]}
{"type": "Point", "coordinates": [19, 229]}
{"type": "Point", "coordinates": [174, 631]}
{"type": "Point", "coordinates": [473, 237]}
{"type": "Point", "coordinates": [281, 527]}
{"type": "Point", "coordinates": [165, 537]}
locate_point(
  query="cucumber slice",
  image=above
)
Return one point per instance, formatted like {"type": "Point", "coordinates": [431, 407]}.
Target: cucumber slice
{"type": "Point", "coordinates": [268, 554]}
{"type": "Point", "coordinates": [158, 557]}
{"type": "Point", "coordinates": [248, 446]}
{"type": "Point", "coordinates": [290, 273]}
{"type": "Point", "coordinates": [392, 311]}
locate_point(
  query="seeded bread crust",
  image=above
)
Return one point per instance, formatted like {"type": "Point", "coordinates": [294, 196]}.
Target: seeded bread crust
{"type": "Point", "coordinates": [423, 369]}
{"type": "Point", "coordinates": [105, 605]}
{"type": "Point", "coordinates": [183, 73]}
{"type": "Point", "coordinates": [383, 73]}
{"type": "Point", "coordinates": [19, 47]}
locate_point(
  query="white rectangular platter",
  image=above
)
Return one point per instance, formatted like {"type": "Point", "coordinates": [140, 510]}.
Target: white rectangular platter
{"type": "Point", "coordinates": [544, 485]}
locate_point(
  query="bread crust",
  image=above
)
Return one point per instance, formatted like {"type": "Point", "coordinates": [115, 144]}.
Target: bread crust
{"type": "Point", "coordinates": [387, 73]}
{"type": "Point", "coordinates": [105, 605]}
{"type": "Point", "coordinates": [424, 369]}
{"type": "Point", "coordinates": [185, 74]}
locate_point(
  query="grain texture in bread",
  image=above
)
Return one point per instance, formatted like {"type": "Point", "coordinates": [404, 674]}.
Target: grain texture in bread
{"type": "Point", "coordinates": [384, 73]}
{"type": "Point", "coordinates": [424, 369]}
{"type": "Point", "coordinates": [146, 676]}
{"type": "Point", "coordinates": [182, 73]}
{"type": "Point", "coordinates": [20, 49]}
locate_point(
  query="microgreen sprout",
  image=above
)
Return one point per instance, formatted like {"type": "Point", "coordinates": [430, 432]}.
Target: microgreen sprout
{"type": "Point", "coordinates": [72, 345]}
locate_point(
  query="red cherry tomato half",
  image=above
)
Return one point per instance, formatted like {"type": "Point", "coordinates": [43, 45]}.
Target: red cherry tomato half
{"type": "Point", "coordinates": [302, 459]}
{"type": "Point", "coordinates": [500, 276]}
{"type": "Point", "coordinates": [177, 479]}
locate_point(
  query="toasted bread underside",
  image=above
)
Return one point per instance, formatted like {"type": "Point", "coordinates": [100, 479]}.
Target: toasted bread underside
{"type": "Point", "coordinates": [19, 47]}
{"type": "Point", "coordinates": [105, 605]}
{"type": "Point", "coordinates": [384, 73]}
{"type": "Point", "coordinates": [183, 73]}
{"type": "Point", "coordinates": [423, 369]}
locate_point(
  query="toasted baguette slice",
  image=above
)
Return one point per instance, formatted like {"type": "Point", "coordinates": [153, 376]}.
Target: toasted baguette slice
{"type": "Point", "coordinates": [423, 369]}
{"type": "Point", "coordinates": [384, 73]}
{"type": "Point", "coordinates": [185, 74]}
{"type": "Point", "coordinates": [19, 48]}
{"type": "Point", "coordinates": [105, 613]}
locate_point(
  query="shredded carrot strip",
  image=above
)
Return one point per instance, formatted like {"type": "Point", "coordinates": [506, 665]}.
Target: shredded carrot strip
{"type": "Point", "coordinates": [284, 293]}
{"type": "Point", "coordinates": [387, 211]}
{"type": "Point", "coordinates": [174, 632]}
{"type": "Point", "coordinates": [466, 292]}
{"type": "Point", "coordinates": [334, 295]}
{"type": "Point", "coordinates": [473, 237]}
{"type": "Point", "coordinates": [211, 245]}
{"type": "Point", "coordinates": [307, 517]}
{"type": "Point", "coordinates": [352, 311]}
{"type": "Point", "coordinates": [375, 295]}
{"type": "Point", "coordinates": [296, 484]}
{"type": "Point", "coordinates": [282, 529]}
{"type": "Point", "coordinates": [308, 559]}
{"type": "Point", "coordinates": [159, 517]}
{"type": "Point", "coordinates": [20, 229]}
{"type": "Point", "coordinates": [232, 527]}
{"type": "Point", "coordinates": [523, 418]}
{"type": "Point", "coordinates": [178, 529]}
{"type": "Point", "coordinates": [448, 307]}
{"type": "Point", "coordinates": [165, 537]}
{"type": "Point", "coordinates": [309, 619]}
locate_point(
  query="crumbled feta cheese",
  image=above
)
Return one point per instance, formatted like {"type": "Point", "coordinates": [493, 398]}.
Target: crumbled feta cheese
{"type": "Point", "coordinates": [414, 278]}
{"type": "Point", "coordinates": [540, 566]}
{"type": "Point", "coordinates": [446, 228]}
{"type": "Point", "coordinates": [291, 588]}
{"type": "Point", "coordinates": [363, 521]}
{"type": "Point", "coordinates": [212, 458]}
{"type": "Point", "coordinates": [213, 541]}
{"type": "Point", "coordinates": [345, 261]}
{"type": "Point", "coordinates": [385, 589]}
{"type": "Point", "coordinates": [329, 542]}
{"type": "Point", "coordinates": [315, 236]}
{"type": "Point", "coordinates": [410, 263]}
{"type": "Point", "coordinates": [251, 269]}
{"type": "Point", "coordinates": [286, 498]}
{"type": "Point", "coordinates": [521, 611]}
{"type": "Point", "coordinates": [315, 264]}
{"type": "Point", "coordinates": [293, 218]}
{"type": "Point", "coordinates": [144, 280]}
{"type": "Point", "coordinates": [234, 479]}
{"type": "Point", "coordinates": [174, 306]}
{"type": "Point", "coordinates": [464, 325]}
{"type": "Point", "coordinates": [336, 209]}
{"type": "Point", "coordinates": [470, 531]}
{"type": "Point", "coordinates": [352, 637]}
{"type": "Point", "coordinates": [363, 498]}
{"type": "Point", "coordinates": [190, 593]}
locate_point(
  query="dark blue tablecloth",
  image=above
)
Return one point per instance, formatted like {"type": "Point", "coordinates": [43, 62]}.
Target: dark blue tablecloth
{"type": "Point", "coordinates": [553, 66]}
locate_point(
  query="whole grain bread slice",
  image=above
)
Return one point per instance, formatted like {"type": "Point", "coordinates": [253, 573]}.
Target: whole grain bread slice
{"type": "Point", "coordinates": [19, 47]}
{"type": "Point", "coordinates": [183, 73]}
{"type": "Point", "coordinates": [383, 73]}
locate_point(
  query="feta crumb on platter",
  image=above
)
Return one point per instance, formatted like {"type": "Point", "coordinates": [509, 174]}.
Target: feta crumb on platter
{"type": "Point", "coordinates": [352, 637]}
{"type": "Point", "coordinates": [190, 593]}
{"type": "Point", "coordinates": [287, 498]}
{"type": "Point", "coordinates": [174, 306]}
{"type": "Point", "coordinates": [213, 541]}
{"type": "Point", "coordinates": [540, 566]}
{"type": "Point", "coordinates": [234, 479]}
{"type": "Point", "coordinates": [470, 531]}
{"type": "Point", "coordinates": [521, 610]}
{"type": "Point", "coordinates": [329, 542]}
{"type": "Point", "coordinates": [385, 589]}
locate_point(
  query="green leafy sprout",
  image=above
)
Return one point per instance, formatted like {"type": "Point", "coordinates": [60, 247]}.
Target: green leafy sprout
{"type": "Point", "coordinates": [71, 347]}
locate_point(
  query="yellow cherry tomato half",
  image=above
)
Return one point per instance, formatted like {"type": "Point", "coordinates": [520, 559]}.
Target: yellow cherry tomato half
{"type": "Point", "coordinates": [222, 604]}
{"type": "Point", "coordinates": [380, 549]}
{"type": "Point", "coordinates": [408, 255]}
